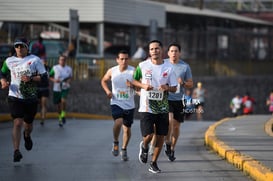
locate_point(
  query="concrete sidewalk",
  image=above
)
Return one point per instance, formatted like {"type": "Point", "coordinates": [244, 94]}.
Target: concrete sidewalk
{"type": "Point", "coordinates": [246, 142]}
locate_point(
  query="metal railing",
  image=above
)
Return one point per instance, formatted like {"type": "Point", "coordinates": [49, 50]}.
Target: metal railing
{"type": "Point", "coordinates": [95, 69]}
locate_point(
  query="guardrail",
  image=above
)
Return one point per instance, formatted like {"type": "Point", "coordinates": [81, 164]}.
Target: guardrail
{"type": "Point", "coordinates": [96, 68]}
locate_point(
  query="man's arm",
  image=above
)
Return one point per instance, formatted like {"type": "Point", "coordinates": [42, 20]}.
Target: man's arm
{"type": "Point", "coordinates": [3, 76]}
{"type": "Point", "coordinates": [104, 83]}
{"type": "Point", "coordinates": [188, 84]}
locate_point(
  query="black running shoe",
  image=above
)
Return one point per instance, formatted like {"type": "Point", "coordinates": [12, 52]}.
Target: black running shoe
{"type": "Point", "coordinates": [143, 153]}
{"type": "Point", "coordinates": [28, 142]}
{"type": "Point", "coordinates": [154, 168]}
{"type": "Point", "coordinates": [167, 149]}
{"type": "Point", "coordinates": [171, 156]}
{"type": "Point", "coordinates": [17, 156]}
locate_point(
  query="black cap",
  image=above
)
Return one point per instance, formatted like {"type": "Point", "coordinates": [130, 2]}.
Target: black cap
{"type": "Point", "coordinates": [20, 41]}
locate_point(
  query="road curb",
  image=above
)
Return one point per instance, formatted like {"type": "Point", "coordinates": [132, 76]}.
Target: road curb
{"type": "Point", "coordinates": [247, 164]}
{"type": "Point", "coordinates": [54, 115]}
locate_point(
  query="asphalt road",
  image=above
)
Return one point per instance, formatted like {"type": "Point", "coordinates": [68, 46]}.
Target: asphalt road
{"type": "Point", "coordinates": [81, 151]}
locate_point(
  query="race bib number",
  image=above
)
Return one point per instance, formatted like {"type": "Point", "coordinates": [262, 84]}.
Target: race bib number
{"type": "Point", "coordinates": [22, 70]}
{"type": "Point", "coordinates": [155, 95]}
{"type": "Point", "coordinates": [123, 94]}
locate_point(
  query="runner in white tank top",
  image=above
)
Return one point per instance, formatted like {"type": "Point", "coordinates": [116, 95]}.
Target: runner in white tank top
{"type": "Point", "coordinates": [121, 100]}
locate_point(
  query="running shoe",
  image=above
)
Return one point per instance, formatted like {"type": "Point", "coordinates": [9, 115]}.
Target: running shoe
{"type": "Point", "coordinates": [28, 142]}
{"type": "Point", "coordinates": [143, 153]}
{"type": "Point", "coordinates": [17, 156]}
{"type": "Point", "coordinates": [123, 155]}
{"type": "Point", "coordinates": [154, 168]}
{"type": "Point", "coordinates": [171, 157]}
{"type": "Point", "coordinates": [167, 149]}
{"type": "Point", "coordinates": [115, 149]}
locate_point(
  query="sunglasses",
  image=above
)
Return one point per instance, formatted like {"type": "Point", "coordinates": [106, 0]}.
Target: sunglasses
{"type": "Point", "coordinates": [19, 45]}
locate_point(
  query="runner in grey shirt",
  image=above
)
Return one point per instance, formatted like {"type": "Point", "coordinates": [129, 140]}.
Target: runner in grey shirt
{"type": "Point", "coordinates": [176, 108]}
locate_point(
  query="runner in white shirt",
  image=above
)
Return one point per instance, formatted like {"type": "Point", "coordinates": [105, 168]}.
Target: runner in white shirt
{"type": "Point", "coordinates": [61, 76]}
{"type": "Point", "coordinates": [25, 71]}
{"type": "Point", "coordinates": [235, 105]}
{"type": "Point", "coordinates": [121, 100]}
{"type": "Point", "coordinates": [155, 77]}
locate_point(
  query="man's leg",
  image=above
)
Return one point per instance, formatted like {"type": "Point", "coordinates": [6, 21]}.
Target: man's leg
{"type": "Point", "coordinates": [116, 132]}
{"type": "Point", "coordinates": [176, 133]}
{"type": "Point", "coordinates": [59, 110]}
{"type": "Point", "coordinates": [16, 132]}
{"type": "Point", "coordinates": [168, 138]}
{"type": "Point", "coordinates": [152, 143]}
{"type": "Point", "coordinates": [117, 128]}
{"type": "Point", "coordinates": [126, 136]}
{"type": "Point", "coordinates": [28, 129]}
{"type": "Point", "coordinates": [63, 108]}
{"type": "Point", "coordinates": [64, 95]}
{"type": "Point", "coordinates": [126, 139]}
{"type": "Point", "coordinates": [27, 132]}
{"type": "Point", "coordinates": [16, 137]}
{"type": "Point", "coordinates": [199, 112]}
{"type": "Point", "coordinates": [144, 148]}
{"type": "Point", "coordinates": [158, 147]}
{"type": "Point", "coordinates": [146, 140]}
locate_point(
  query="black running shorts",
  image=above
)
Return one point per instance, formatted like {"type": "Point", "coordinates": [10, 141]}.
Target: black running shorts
{"type": "Point", "coordinates": [23, 109]}
{"type": "Point", "coordinates": [127, 115]}
{"type": "Point", "coordinates": [176, 107]}
{"type": "Point", "coordinates": [148, 120]}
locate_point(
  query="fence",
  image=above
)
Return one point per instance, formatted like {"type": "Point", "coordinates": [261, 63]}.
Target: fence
{"type": "Point", "coordinates": [95, 69]}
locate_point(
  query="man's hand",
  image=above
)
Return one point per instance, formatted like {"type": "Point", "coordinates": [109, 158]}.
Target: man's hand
{"type": "Point", "coordinates": [147, 87]}
{"type": "Point", "coordinates": [179, 80]}
{"type": "Point", "coordinates": [25, 78]}
{"type": "Point", "coordinates": [129, 84]}
{"type": "Point", "coordinates": [109, 95]}
{"type": "Point", "coordinates": [4, 83]}
{"type": "Point", "coordinates": [164, 87]}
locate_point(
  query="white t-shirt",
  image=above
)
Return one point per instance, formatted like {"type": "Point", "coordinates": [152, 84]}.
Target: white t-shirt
{"type": "Point", "coordinates": [61, 73]}
{"type": "Point", "coordinates": [155, 101]}
{"type": "Point", "coordinates": [29, 65]}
